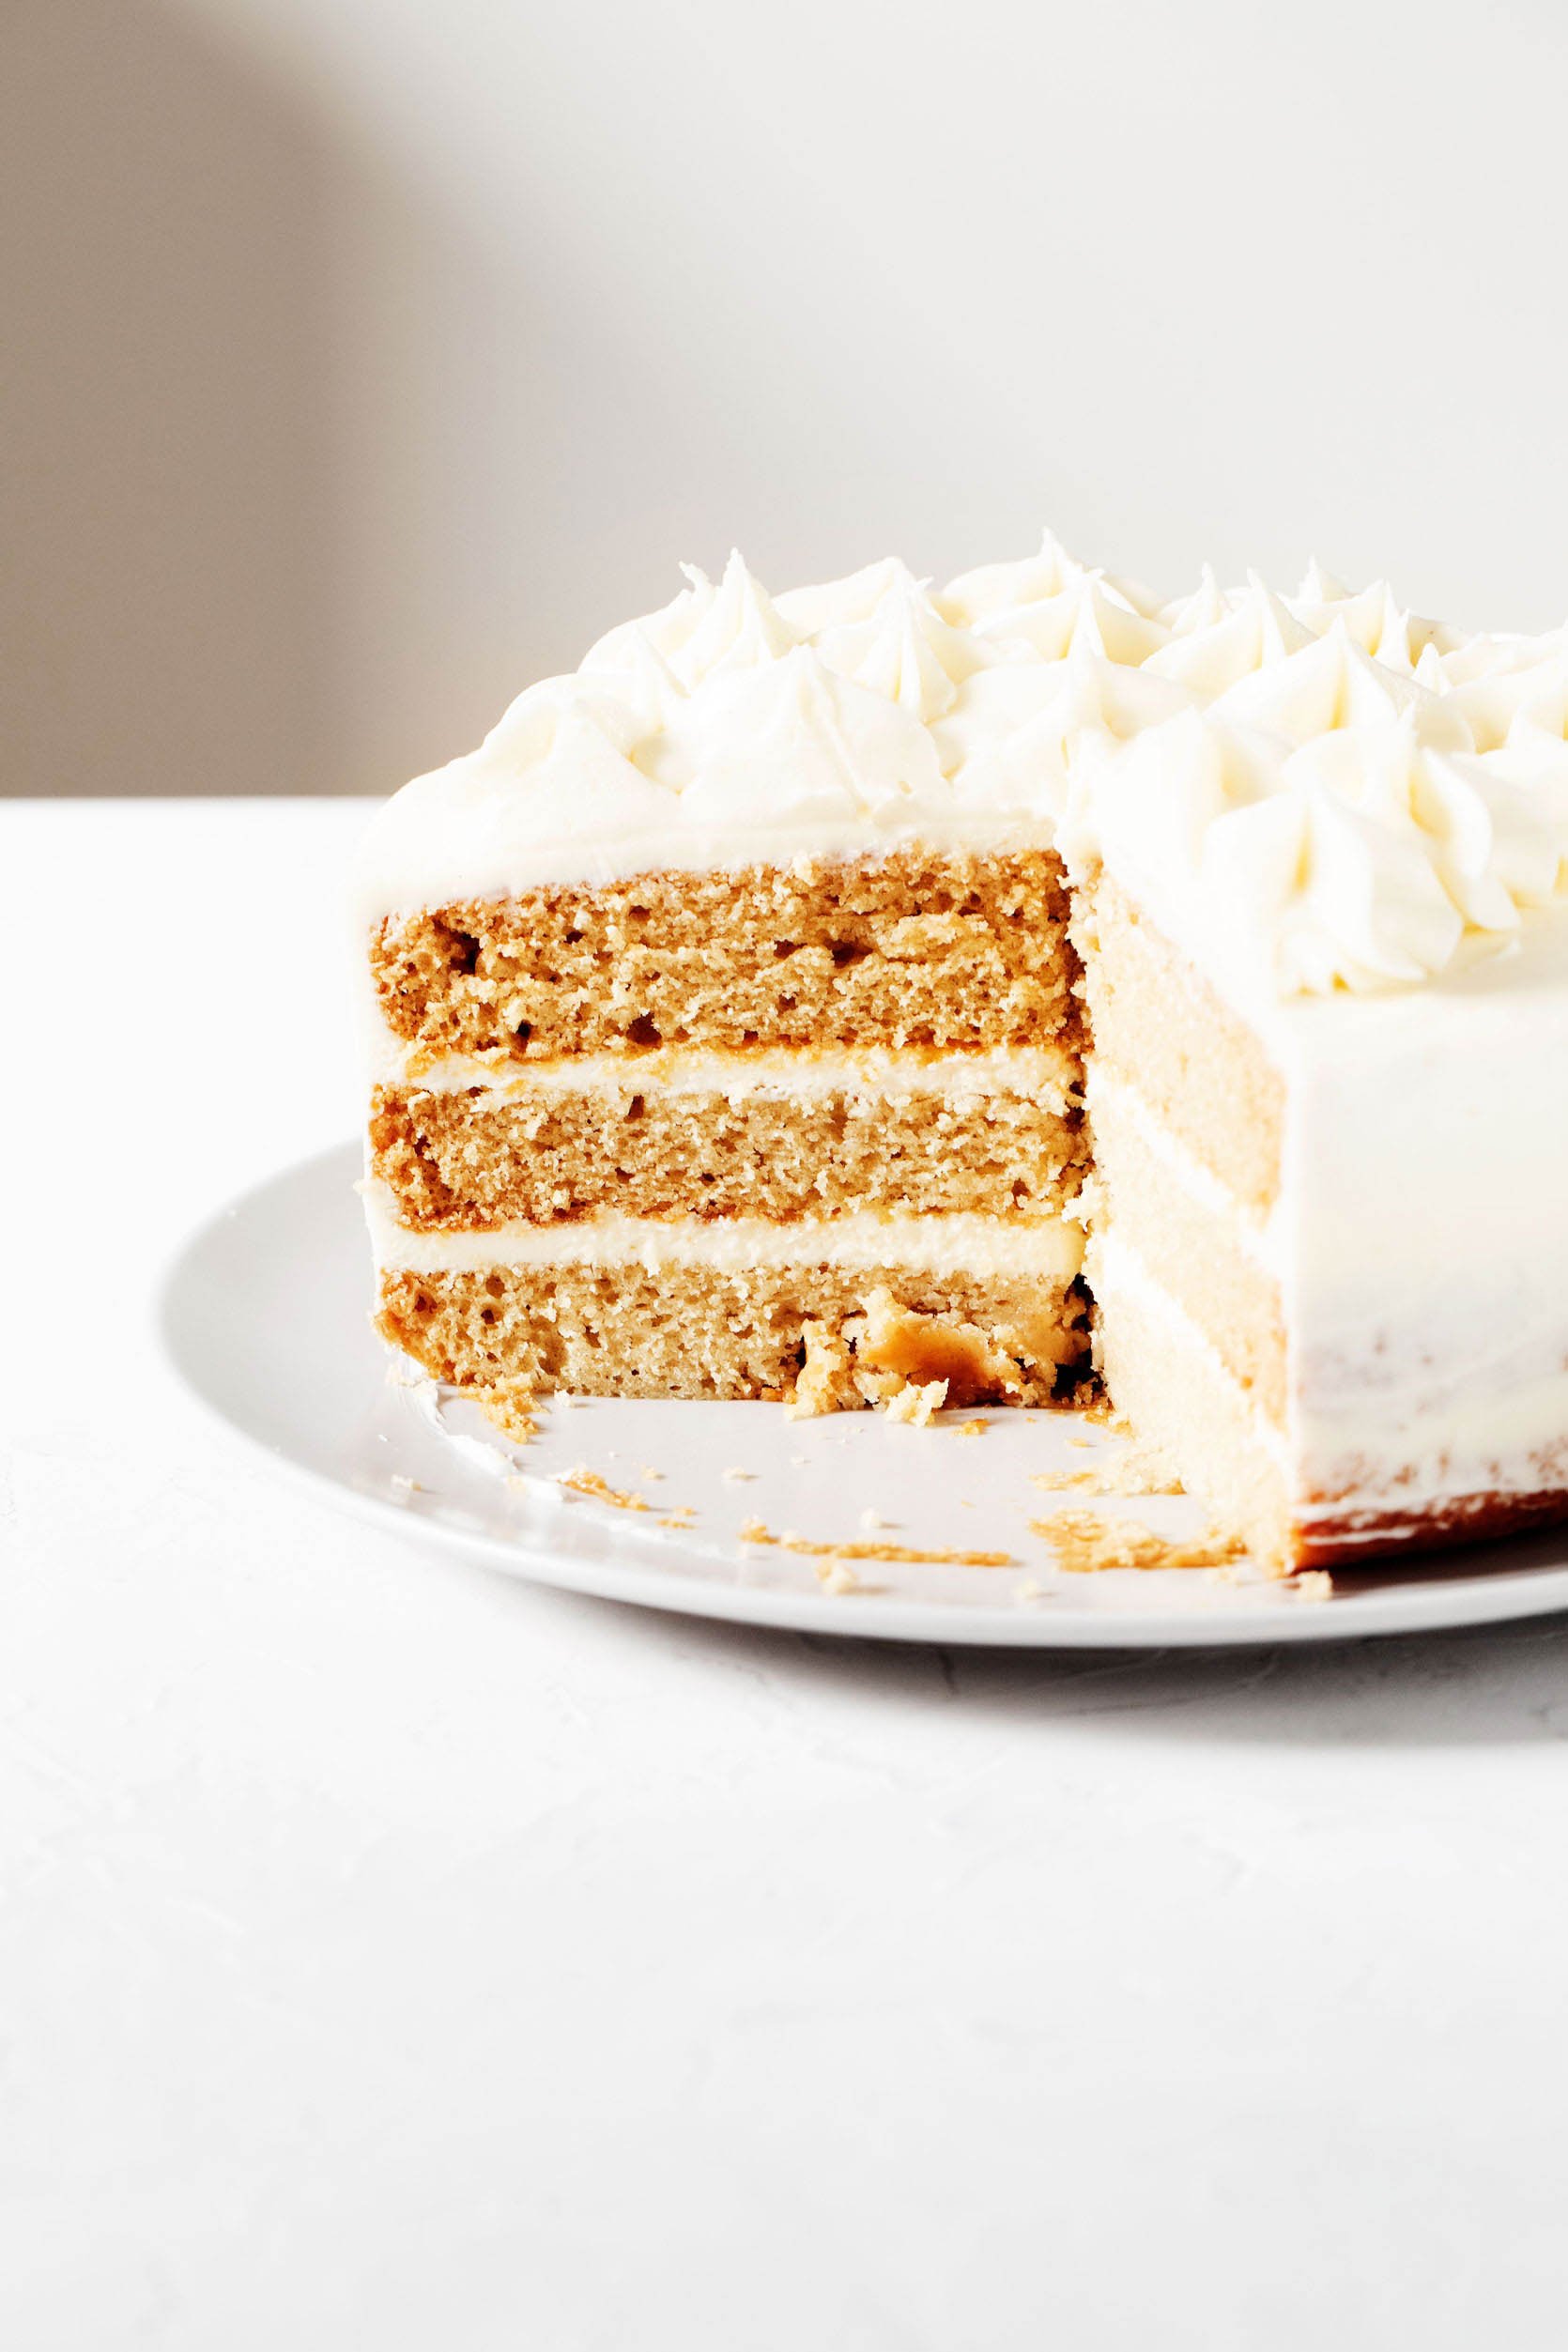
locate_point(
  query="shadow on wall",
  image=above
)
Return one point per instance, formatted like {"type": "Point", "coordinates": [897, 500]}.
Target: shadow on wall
{"type": "Point", "coordinates": [165, 567]}
{"type": "Point", "coordinates": [289, 427]}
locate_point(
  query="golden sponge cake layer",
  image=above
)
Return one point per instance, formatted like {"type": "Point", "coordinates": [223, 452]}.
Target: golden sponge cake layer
{"type": "Point", "coordinates": [549, 1154]}
{"type": "Point", "coordinates": [693, 1331]}
{"type": "Point", "coordinates": [917, 948]}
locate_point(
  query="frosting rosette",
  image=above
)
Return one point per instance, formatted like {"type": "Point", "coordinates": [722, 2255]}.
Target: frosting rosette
{"type": "Point", "coordinates": [793, 743]}
{"type": "Point", "coordinates": [1017, 738]}
{"type": "Point", "coordinates": [1089, 613]}
{"type": "Point", "coordinates": [1373, 617]}
{"type": "Point", "coordinates": [1206, 605]}
{"type": "Point", "coordinates": [1361, 858]}
{"type": "Point", "coordinates": [706, 629]}
{"type": "Point", "coordinates": [984, 595]}
{"type": "Point", "coordinates": [1318, 793]}
{"type": "Point", "coordinates": [902, 648]}
{"type": "Point", "coordinates": [1333, 683]}
{"type": "Point", "coordinates": [833, 604]}
{"type": "Point", "coordinates": [1247, 634]}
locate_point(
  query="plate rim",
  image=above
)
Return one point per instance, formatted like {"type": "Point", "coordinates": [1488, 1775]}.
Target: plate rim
{"type": "Point", "coordinates": [1495, 1597]}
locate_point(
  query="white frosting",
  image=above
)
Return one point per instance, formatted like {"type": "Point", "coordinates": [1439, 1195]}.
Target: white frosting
{"type": "Point", "coordinates": [1366, 856]}
{"type": "Point", "coordinates": [705, 631]}
{"type": "Point", "coordinates": [835, 604]}
{"type": "Point", "coordinates": [1013, 740]}
{"type": "Point", "coordinates": [1320, 587]}
{"type": "Point", "coordinates": [1426, 1282]}
{"type": "Point", "coordinates": [1089, 613]}
{"type": "Point", "coordinates": [1331, 682]}
{"type": "Point", "coordinates": [1418, 1237]}
{"type": "Point", "coordinates": [1038, 1073]}
{"type": "Point", "coordinates": [1247, 633]}
{"type": "Point", "coordinates": [1375, 619]}
{"type": "Point", "coordinates": [998, 1249]}
{"type": "Point", "coordinates": [1316, 793]}
{"type": "Point", "coordinates": [1207, 604]}
{"type": "Point", "coordinates": [994, 589]}
{"type": "Point", "coordinates": [1528, 696]}
{"type": "Point", "coordinates": [903, 649]}
{"type": "Point", "coordinates": [1496, 654]}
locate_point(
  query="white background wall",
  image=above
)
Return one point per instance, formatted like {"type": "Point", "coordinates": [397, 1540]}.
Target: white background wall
{"type": "Point", "coordinates": [369, 356]}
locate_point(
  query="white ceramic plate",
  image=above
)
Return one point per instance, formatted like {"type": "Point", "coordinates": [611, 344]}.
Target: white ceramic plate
{"type": "Point", "coordinates": [266, 1315]}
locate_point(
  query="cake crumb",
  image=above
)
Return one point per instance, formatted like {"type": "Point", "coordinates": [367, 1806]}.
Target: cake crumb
{"type": "Point", "coordinates": [1133, 1472]}
{"type": "Point", "coordinates": [679, 1519]}
{"type": "Point", "coordinates": [1028, 1588]}
{"type": "Point", "coordinates": [923, 1350]}
{"type": "Point", "coordinates": [1310, 1584]}
{"type": "Point", "coordinates": [1068, 1482]}
{"type": "Point", "coordinates": [835, 1576]}
{"type": "Point", "coordinates": [908, 1363]}
{"type": "Point", "coordinates": [825, 1383]}
{"type": "Point", "coordinates": [897, 1555]}
{"type": "Point", "coordinates": [916, 1403]}
{"type": "Point", "coordinates": [871, 1520]}
{"type": "Point", "coordinates": [735, 1475]}
{"type": "Point", "coordinates": [582, 1481]}
{"type": "Point", "coordinates": [1087, 1542]}
{"type": "Point", "coordinates": [510, 1406]}
{"type": "Point", "coordinates": [404, 1488]}
{"type": "Point", "coordinates": [646, 1471]}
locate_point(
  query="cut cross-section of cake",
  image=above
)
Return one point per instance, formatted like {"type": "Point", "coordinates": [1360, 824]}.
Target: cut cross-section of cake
{"type": "Point", "coordinates": [883, 997]}
{"type": "Point", "coordinates": [721, 1036]}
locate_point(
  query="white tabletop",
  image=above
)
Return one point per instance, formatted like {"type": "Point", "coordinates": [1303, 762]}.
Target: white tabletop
{"type": "Point", "coordinates": [399, 1956]}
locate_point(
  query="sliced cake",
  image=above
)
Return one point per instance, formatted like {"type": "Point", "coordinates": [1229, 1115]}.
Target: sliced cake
{"type": "Point", "coordinates": [895, 996]}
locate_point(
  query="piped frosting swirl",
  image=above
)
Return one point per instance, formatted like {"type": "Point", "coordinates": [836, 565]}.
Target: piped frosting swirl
{"type": "Point", "coordinates": [1318, 790]}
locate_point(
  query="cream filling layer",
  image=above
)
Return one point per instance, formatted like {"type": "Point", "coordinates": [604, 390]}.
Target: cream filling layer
{"type": "Point", "coordinates": [983, 1248]}
{"type": "Point", "coordinates": [1263, 1244]}
{"type": "Point", "coordinates": [1045, 1074]}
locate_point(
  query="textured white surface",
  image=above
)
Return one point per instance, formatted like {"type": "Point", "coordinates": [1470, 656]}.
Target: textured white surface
{"type": "Point", "coordinates": [398, 1955]}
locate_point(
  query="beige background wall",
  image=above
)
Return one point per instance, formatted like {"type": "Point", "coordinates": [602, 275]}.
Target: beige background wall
{"type": "Point", "coordinates": [366, 357]}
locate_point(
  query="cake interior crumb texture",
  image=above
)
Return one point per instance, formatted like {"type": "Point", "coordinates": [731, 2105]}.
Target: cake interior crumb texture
{"type": "Point", "coordinates": [913, 949]}
{"type": "Point", "coordinates": [592, 1010]}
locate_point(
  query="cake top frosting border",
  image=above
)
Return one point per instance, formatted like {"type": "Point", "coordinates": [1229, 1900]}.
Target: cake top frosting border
{"type": "Point", "coordinates": [1319, 793]}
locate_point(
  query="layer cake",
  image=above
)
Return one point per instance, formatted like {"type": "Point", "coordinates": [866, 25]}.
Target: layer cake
{"type": "Point", "coordinates": [885, 996]}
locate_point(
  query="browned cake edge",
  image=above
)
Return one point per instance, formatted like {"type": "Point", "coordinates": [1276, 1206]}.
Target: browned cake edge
{"type": "Point", "coordinates": [1381, 1541]}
